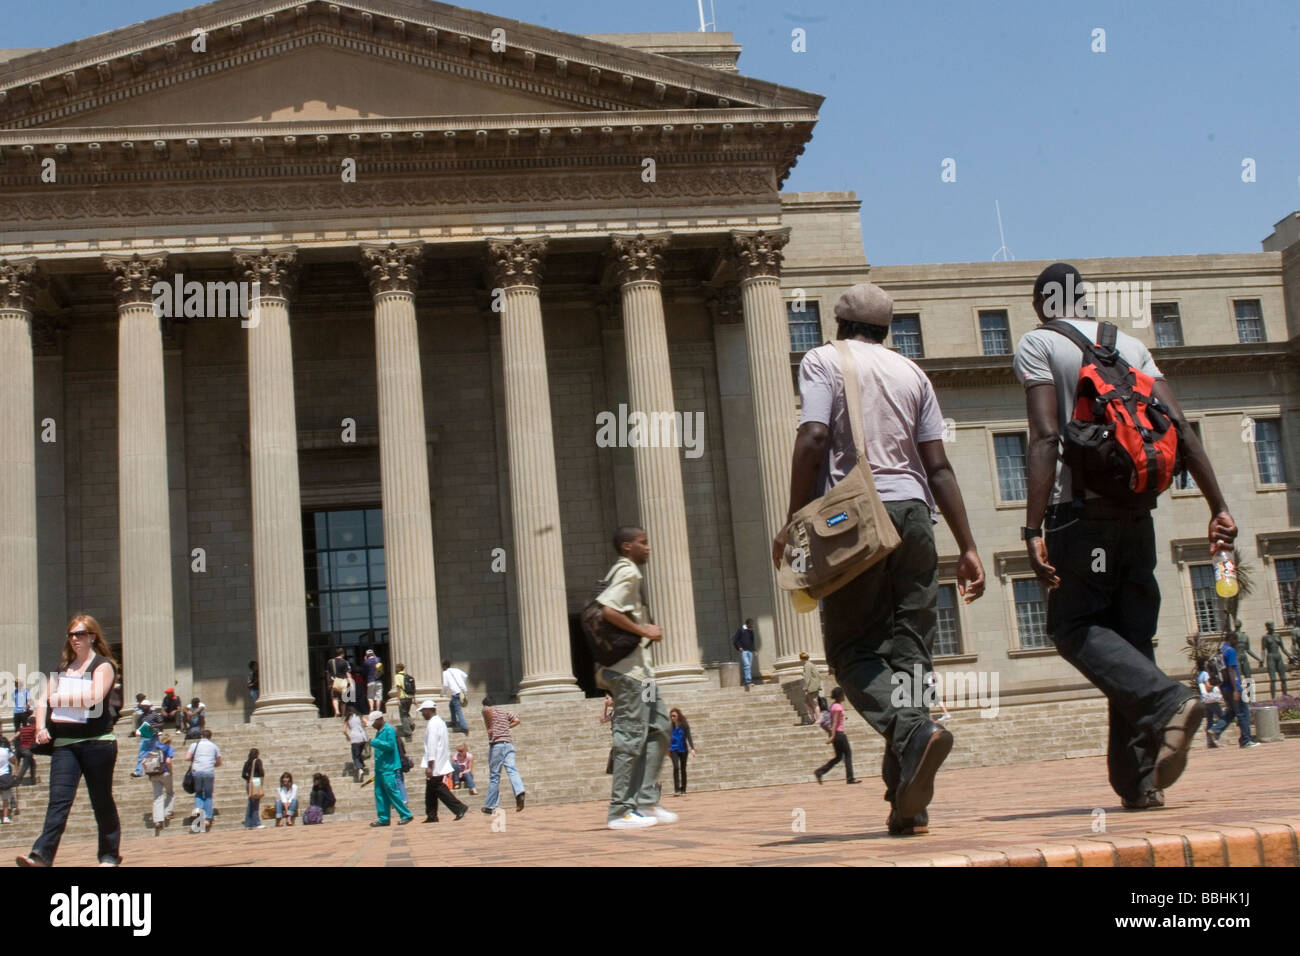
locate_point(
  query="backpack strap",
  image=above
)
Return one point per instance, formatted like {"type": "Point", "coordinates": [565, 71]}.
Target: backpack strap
{"type": "Point", "coordinates": [1107, 335]}
{"type": "Point", "coordinates": [1074, 335]}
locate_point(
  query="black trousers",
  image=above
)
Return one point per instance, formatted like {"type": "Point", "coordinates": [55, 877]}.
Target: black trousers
{"type": "Point", "coordinates": [404, 709]}
{"type": "Point", "coordinates": [679, 770]}
{"type": "Point", "coordinates": [1102, 619]}
{"type": "Point", "coordinates": [93, 759]}
{"type": "Point", "coordinates": [842, 752]}
{"type": "Point", "coordinates": [436, 789]}
{"type": "Point", "coordinates": [28, 763]}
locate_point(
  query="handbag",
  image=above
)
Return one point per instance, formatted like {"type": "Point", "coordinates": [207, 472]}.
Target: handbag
{"type": "Point", "coordinates": [837, 537]}
{"type": "Point", "coordinates": [254, 787]}
{"type": "Point", "coordinates": [188, 784]}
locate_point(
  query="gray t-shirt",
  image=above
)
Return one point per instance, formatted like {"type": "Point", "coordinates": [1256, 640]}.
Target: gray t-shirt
{"type": "Point", "coordinates": [1044, 356]}
{"type": "Point", "coordinates": [899, 411]}
{"type": "Point", "coordinates": [205, 756]}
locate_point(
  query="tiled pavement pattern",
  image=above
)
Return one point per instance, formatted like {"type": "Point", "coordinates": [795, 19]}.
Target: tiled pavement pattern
{"type": "Point", "coordinates": [1231, 807]}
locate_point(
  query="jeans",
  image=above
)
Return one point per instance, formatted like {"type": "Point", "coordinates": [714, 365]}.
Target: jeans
{"type": "Point", "coordinates": [146, 744]}
{"type": "Point", "coordinates": [642, 730]}
{"type": "Point", "coordinates": [203, 784]}
{"type": "Point", "coordinates": [1239, 710]}
{"type": "Point", "coordinates": [253, 815]}
{"type": "Point", "coordinates": [164, 797]}
{"type": "Point", "coordinates": [279, 808]}
{"type": "Point", "coordinates": [747, 665]}
{"type": "Point", "coordinates": [842, 752]}
{"type": "Point", "coordinates": [1102, 622]}
{"type": "Point", "coordinates": [883, 623]}
{"type": "Point", "coordinates": [501, 755]}
{"type": "Point", "coordinates": [435, 789]}
{"type": "Point", "coordinates": [406, 728]}
{"type": "Point", "coordinates": [458, 715]}
{"type": "Point", "coordinates": [358, 764]}
{"type": "Point", "coordinates": [28, 763]}
{"type": "Point", "coordinates": [93, 759]}
{"type": "Point", "coordinates": [400, 782]}
{"type": "Point", "coordinates": [679, 770]}
{"type": "Point", "coordinates": [467, 776]}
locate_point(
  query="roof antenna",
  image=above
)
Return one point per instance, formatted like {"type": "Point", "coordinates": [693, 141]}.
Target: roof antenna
{"type": "Point", "coordinates": [711, 22]}
{"type": "Point", "coordinates": [1003, 251]}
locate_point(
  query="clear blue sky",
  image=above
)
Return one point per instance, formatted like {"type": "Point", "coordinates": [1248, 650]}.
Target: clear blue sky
{"type": "Point", "coordinates": [1135, 151]}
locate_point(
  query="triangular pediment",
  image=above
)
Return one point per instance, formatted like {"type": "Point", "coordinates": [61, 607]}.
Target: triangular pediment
{"type": "Point", "coordinates": [242, 62]}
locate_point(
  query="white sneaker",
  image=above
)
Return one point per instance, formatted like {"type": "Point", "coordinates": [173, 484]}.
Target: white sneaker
{"type": "Point", "coordinates": [632, 821]}
{"type": "Point", "coordinates": [664, 816]}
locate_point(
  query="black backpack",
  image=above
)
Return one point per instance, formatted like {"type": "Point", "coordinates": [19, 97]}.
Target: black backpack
{"type": "Point", "coordinates": [609, 644]}
{"type": "Point", "coordinates": [408, 685]}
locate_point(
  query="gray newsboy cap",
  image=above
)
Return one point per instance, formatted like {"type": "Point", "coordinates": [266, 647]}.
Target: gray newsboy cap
{"type": "Point", "coordinates": [867, 303]}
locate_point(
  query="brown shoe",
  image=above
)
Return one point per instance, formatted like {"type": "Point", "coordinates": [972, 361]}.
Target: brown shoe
{"type": "Point", "coordinates": [925, 751]}
{"type": "Point", "coordinates": [1151, 800]}
{"type": "Point", "coordinates": [909, 826]}
{"type": "Point", "coordinates": [1176, 739]}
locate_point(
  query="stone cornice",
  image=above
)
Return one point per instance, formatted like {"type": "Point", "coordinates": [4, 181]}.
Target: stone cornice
{"type": "Point", "coordinates": [392, 267]}
{"type": "Point", "coordinates": [134, 278]}
{"type": "Point", "coordinates": [58, 82]}
{"type": "Point", "coordinates": [517, 261]}
{"type": "Point", "coordinates": [60, 208]}
{"type": "Point", "coordinates": [639, 257]}
{"type": "Point", "coordinates": [18, 283]}
{"type": "Point", "coordinates": [758, 254]}
{"type": "Point", "coordinates": [275, 270]}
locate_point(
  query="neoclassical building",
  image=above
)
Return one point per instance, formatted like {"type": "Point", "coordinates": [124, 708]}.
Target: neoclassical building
{"type": "Point", "coordinates": [463, 244]}
{"type": "Point", "coordinates": [469, 237]}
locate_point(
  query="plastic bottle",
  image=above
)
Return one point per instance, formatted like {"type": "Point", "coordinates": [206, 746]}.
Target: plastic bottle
{"type": "Point", "coordinates": [803, 602]}
{"type": "Point", "coordinates": [1225, 574]}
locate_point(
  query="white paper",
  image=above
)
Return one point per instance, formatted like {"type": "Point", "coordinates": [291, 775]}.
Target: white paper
{"type": "Point", "coordinates": [77, 687]}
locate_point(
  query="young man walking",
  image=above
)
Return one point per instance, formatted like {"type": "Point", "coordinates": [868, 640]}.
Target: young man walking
{"type": "Point", "coordinates": [501, 753]}
{"type": "Point", "coordinates": [642, 725]}
{"type": "Point", "coordinates": [883, 622]}
{"type": "Point", "coordinates": [455, 684]}
{"type": "Point", "coordinates": [1097, 553]}
{"type": "Point", "coordinates": [437, 764]}
{"type": "Point", "coordinates": [1233, 690]}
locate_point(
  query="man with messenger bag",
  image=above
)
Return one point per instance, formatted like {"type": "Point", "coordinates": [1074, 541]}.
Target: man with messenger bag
{"type": "Point", "coordinates": [866, 547]}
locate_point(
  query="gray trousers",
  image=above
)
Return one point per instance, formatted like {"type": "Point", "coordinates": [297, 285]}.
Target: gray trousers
{"type": "Point", "coordinates": [641, 736]}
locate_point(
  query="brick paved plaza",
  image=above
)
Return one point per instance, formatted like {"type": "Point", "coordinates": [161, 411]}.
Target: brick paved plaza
{"type": "Point", "coordinates": [1231, 807]}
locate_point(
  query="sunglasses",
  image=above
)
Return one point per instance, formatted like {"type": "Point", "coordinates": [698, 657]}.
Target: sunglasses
{"type": "Point", "coordinates": [79, 634]}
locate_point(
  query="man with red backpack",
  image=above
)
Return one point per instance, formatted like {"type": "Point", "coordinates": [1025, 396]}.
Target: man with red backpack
{"type": "Point", "coordinates": [1105, 438]}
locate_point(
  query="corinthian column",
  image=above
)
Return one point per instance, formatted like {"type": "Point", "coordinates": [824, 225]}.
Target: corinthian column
{"type": "Point", "coordinates": [148, 640]}
{"type": "Point", "coordinates": [19, 640]}
{"type": "Point", "coordinates": [514, 267]}
{"type": "Point", "coordinates": [638, 263]}
{"type": "Point", "coordinates": [393, 270]}
{"type": "Point", "coordinates": [279, 580]}
{"type": "Point", "coordinates": [757, 260]}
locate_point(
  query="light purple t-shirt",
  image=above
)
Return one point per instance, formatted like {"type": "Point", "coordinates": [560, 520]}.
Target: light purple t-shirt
{"type": "Point", "coordinates": [899, 411]}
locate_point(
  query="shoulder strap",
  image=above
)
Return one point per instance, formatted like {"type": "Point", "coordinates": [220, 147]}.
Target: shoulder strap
{"type": "Point", "coordinates": [1107, 335]}
{"type": "Point", "coordinates": [852, 398]}
{"type": "Point", "coordinates": [1074, 335]}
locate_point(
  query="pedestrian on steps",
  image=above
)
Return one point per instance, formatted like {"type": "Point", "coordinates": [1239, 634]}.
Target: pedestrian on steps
{"type": "Point", "coordinates": [252, 775]}
{"type": "Point", "coordinates": [437, 764]}
{"type": "Point", "coordinates": [837, 739]}
{"type": "Point", "coordinates": [812, 690]}
{"type": "Point", "coordinates": [355, 731]}
{"type": "Point", "coordinates": [680, 746]}
{"type": "Point", "coordinates": [387, 798]}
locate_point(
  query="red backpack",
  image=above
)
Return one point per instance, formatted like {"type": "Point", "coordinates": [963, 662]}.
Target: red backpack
{"type": "Point", "coordinates": [1120, 442]}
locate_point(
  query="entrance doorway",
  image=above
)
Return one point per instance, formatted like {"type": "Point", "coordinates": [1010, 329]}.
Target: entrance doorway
{"type": "Point", "coordinates": [347, 592]}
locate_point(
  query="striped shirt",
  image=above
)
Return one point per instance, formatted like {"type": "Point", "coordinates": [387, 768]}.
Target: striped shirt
{"type": "Point", "coordinates": [499, 726]}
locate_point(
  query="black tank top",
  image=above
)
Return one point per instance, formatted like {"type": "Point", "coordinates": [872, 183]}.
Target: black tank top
{"type": "Point", "coordinates": [96, 726]}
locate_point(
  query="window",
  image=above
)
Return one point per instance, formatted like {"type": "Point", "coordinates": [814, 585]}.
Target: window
{"type": "Point", "coordinates": [1185, 481]}
{"type": "Point", "coordinates": [1268, 451]}
{"type": "Point", "coordinates": [1288, 589]}
{"type": "Point", "coordinates": [1205, 603]}
{"type": "Point", "coordinates": [995, 333]}
{"type": "Point", "coordinates": [1250, 324]}
{"type": "Point", "coordinates": [1031, 612]}
{"type": "Point", "coordinates": [905, 336]}
{"type": "Point", "coordinates": [805, 327]}
{"type": "Point", "coordinates": [1013, 481]}
{"type": "Point", "coordinates": [347, 586]}
{"type": "Point", "coordinates": [947, 641]}
{"type": "Point", "coordinates": [1168, 324]}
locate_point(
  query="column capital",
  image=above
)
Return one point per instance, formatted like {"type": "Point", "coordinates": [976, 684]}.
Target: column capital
{"type": "Point", "coordinates": [134, 278]}
{"type": "Point", "coordinates": [639, 257]}
{"type": "Point", "coordinates": [757, 255]}
{"type": "Point", "coordinates": [18, 282]}
{"type": "Point", "coordinates": [275, 270]}
{"type": "Point", "coordinates": [725, 305]}
{"type": "Point", "coordinates": [393, 266]}
{"type": "Point", "coordinates": [47, 334]}
{"type": "Point", "coordinates": [516, 261]}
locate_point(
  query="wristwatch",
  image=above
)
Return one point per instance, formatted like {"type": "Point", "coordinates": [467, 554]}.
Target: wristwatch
{"type": "Point", "coordinates": [1027, 533]}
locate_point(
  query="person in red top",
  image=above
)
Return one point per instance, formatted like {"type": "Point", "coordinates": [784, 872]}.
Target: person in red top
{"type": "Point", "coordinates": [838, 739]}
{"type": "Point", "coordinates": [26, 741]}
{"type": "Point", "coordinates": [501, 753]}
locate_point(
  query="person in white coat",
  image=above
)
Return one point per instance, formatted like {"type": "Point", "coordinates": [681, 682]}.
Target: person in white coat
{"type": "Point", "coordinates": [437, 764]}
